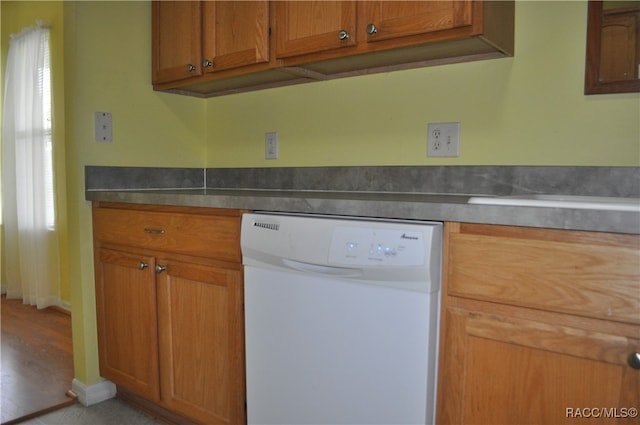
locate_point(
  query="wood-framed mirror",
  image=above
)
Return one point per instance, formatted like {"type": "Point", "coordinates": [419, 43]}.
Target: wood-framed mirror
{"type": "Point", "coordinates": [613, 47]}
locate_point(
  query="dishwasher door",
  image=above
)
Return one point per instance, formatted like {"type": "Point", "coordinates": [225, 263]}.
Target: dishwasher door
{"type": "Point", "coordinates": [341, 319]}
{"type": "Point", "coordinates": [321, 350]}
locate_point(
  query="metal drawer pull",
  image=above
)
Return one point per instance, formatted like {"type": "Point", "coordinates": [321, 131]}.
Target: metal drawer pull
{"type": "Point", "coordinates": [153, 231]}
{"type": "Point", "coordinates": [634, 360]}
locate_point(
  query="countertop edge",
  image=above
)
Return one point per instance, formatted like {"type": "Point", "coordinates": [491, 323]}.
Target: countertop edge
{"type": "Point", "coordinates": [383, 205]}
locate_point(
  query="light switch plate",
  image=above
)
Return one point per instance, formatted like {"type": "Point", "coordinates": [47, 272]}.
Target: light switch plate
{"type": "Point", "coordinates": [103, 127]}
{"type": "Point", "coordinates": [271, 145]}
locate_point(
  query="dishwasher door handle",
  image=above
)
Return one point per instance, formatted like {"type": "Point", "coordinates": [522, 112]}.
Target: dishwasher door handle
{"type": "Point", "coordinates": [324, 270]}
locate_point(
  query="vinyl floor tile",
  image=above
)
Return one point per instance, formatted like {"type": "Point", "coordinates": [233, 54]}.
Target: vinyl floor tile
{"type": "Point", "coordinates": [109, 412]}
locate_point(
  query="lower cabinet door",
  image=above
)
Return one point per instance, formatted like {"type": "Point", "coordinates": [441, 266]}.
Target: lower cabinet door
{"type": "Point", "coordinates": [127, 321]}
{"type": "Point", "coordinates": [201, 341]}
{"type": "Point", "coordinates": [509, 370]}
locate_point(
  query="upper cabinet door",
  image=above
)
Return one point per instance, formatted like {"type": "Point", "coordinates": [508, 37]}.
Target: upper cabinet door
{"type": "Point", "coordinates": [177, 40]}
{"type": "Point", "coordinates": [313, 26]}
{"type": "Point", "coordinates": [620, 47]}
{"type": "Point", "coordinates": [236, 33]}
{"type": "Point", "coordinates": [386, 20]}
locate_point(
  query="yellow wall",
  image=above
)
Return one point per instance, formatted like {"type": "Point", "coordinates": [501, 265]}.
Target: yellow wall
{"type": "Point", "coordinates": [111, 72]}
{"type": "Point", "coordinates": [106, 65]}
{"type": "Point", "coordinates": [523, 110]}
{"type": "Point", "coordinates": [529, 109]}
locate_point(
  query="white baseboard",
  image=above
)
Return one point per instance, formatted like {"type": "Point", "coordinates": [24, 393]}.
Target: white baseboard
{"type": "Point", "coordinates": [93, 394]}
{"type": "Point", "coordinates": [65, 305]}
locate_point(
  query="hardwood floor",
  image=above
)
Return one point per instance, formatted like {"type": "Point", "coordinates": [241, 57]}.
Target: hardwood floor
{"type": "Point", "coordinates": [37, 361]}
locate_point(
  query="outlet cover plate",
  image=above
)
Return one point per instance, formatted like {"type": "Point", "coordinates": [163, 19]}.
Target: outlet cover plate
{"type": "Point", "coordinates": [443, 139]}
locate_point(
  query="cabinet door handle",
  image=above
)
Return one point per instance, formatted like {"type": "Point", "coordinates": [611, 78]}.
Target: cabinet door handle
{"type": "Point", "coordinates": [160, 269]}
{"type": "Point", "coordinates": [634, 360]}
{"type": "Point", "coordinates": [207, 63]}
{"type": "Point", "coordinates": [343, 35]}
{"type": "Point", "coordinates": [191, 67]}
{"type": "Point", "coordinates": [142, 265]}
{"type": "Point", "coordinates": [371, 29]}
{"type": "Point", "coordinates": [153, 231]}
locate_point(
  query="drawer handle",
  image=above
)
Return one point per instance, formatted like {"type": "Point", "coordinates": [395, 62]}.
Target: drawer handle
{"type": "Point", "coordinates": [634, 360]}
{"type": "Point", "coordinates": [153, 231]}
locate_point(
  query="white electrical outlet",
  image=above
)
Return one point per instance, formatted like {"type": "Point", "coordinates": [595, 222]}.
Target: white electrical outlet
{"type": "Point", "coordinates": [271, 145]}
{"type": "Point", "coordinates": [443, 139]}
{"type": "Point", "coordinates": [103, 127]}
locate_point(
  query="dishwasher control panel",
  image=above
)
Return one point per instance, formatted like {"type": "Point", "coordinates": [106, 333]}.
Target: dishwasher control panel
{"type": "Point", "coordinates": [364, 246]}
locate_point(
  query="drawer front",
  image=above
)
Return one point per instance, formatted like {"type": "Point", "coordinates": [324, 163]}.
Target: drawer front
{"type": "Point", "coordinates": [208, 236]}
{"type": "Point", "coordinates": [588, 274]}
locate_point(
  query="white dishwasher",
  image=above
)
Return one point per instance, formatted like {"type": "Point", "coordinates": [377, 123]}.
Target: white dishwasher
{"type": "Point", "coordinates": [341, 319]}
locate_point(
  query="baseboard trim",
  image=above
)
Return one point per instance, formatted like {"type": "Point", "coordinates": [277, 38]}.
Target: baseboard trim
{"type": "Point", "coordinates": [60, 309]}
{"type": "Point", "coordinates": [93, 394]}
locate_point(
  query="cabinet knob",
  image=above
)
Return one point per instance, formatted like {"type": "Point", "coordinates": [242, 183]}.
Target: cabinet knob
{"type": "Point", "coordinates": [207, 63]}
{"type": "Point", "coordinates": [371, 29]}
{"type": "Point", "coordinates": [142, 265]}
{"type": "Point", "coordinates": [343, 35]}
{"type": "Point", "coordinates": [634, 360]}
{"type": "Point", "coordinates": [160, 269]}
{"type": "Point", "coordinates": [191, 68]}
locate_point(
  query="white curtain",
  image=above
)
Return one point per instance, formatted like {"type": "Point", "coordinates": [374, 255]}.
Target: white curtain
{"type": "Point", "coordinates": [31, 245]}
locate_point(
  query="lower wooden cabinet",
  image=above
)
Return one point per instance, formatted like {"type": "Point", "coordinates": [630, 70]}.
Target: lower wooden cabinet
{"type": "Point", "coordinates": [506, 369]}
{"type": "Point", "coordinates": [128, 320]}
{"type": "Point", "coordinates": [201, 337]}
{"type": "Point", "coordinates": [538, 325]}
{"type": "Point", "coordinates": [170, 325]}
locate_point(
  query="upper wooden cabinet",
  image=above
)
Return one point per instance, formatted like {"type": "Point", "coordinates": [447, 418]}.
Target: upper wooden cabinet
{"type": "Point", "coordinates": [613, 47]}
{"type": "Point", "coordinates": [385, 20]}
{"type": "Point", "coordinates": [620, 44]}
{"type": "Point", "coordinates": [253, 45]}
{"type": "Point", "coordinates": [177, 40]}
{"type": "Point", "coordinates": [313, 26]}
{"type": "Point", "coordinates": [235, 34]}
{"type": "Point", "coordinates": [191, 38]}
